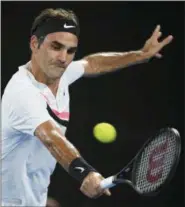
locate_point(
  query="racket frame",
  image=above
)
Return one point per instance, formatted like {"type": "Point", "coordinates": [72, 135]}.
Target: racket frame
{"type": "Point", "coordinates": [173, 167]}
{"type": "Point", "coordinates": [129, 170]}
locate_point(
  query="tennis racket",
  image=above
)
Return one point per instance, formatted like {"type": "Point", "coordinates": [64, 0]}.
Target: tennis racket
{"type": "Point", "coordinates": [153, 166]}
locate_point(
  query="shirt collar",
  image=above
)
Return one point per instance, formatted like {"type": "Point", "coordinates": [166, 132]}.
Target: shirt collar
{"type": "Point", "coordinates": [25, 69]}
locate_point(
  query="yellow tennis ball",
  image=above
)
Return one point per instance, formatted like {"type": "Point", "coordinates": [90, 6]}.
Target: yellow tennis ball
{"type": "Point", "coordinates": [104, 132]}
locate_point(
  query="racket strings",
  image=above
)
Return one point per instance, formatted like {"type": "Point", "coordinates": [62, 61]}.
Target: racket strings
{"type": "Point", "coordinates": [155, 162]}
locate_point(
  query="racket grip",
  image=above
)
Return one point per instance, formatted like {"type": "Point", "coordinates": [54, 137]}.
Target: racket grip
{"type": "Point", "coordinates": [107, 183]}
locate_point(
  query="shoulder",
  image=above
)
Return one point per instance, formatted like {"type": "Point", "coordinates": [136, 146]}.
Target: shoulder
{"type": "Point", "coordinates": [19, 87]}
{"type": "Point", "coordinates": [76, 66]}
{"type": "Point", "coordinates": [19, 80]}
{"type": "Point", "coordinates": [74, 71]}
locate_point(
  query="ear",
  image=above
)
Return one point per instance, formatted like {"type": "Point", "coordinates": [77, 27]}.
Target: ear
{"type": "Point", "coordinates": [34, 43]}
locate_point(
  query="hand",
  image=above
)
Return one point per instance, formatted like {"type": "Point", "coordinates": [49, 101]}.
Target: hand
{"type": "Point", "coordinates": [153, 46]}
{"type": "Point", "coordinates": [91, 186]}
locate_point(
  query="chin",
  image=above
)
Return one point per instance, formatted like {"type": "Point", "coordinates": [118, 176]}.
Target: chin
{"type": "Point", "coordinates": [56, 76]}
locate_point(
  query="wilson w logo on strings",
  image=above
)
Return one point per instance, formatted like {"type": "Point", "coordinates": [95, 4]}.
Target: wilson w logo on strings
{"type": "Point", "coordinates": [156, 160]}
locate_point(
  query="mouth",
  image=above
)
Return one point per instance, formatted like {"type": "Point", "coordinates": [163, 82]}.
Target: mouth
{"type": "Point", "coordinates": [59, 66]}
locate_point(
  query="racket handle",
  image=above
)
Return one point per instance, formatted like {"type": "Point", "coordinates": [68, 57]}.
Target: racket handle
{"type": "Point", "coordinates": [107, 183]}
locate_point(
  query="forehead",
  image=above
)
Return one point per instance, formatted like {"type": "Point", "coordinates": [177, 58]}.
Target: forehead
{"type": "Point", "coordinates": [65, 38]}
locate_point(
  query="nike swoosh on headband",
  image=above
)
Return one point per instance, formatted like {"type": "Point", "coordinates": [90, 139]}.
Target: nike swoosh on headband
{"type": "Point", "coordinates": [68, 26]}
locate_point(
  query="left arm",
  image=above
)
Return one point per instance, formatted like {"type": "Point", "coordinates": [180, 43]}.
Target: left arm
{"type": "Point", "coordinates": [110, 61]}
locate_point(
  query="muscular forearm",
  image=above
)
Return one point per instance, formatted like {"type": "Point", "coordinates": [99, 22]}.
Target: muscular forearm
{"type": "Point", "coordinates": [63, 151]}
{"type": "Point", "coordinates": [110, 61]}
{"type": "Point", "coordinates": [69, 158]}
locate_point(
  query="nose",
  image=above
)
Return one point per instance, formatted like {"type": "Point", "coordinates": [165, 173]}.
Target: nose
{"type": "Point", "coordinates": [62, 56]}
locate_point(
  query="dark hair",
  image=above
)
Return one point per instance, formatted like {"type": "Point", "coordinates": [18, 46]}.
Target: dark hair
{"type": "Point", "coordinates": [54, 13]}
{"type": "Point", "coordinates": [50, 13]}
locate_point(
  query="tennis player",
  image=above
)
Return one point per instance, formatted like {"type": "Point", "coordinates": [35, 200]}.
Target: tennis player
{"type": "Point", "coordinates": [35, 109]}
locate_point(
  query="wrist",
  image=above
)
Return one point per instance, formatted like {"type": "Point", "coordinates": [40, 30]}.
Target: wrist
{"type": "Point", "coordinates": [141, 56]}
{"type": "Point", "coordinates": [79, 169]}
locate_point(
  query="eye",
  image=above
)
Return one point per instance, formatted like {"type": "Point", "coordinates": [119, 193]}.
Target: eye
{"type": "Point", "coordinates": [56, 47]}
{"type": "Point", "coordinates": [71, 51]}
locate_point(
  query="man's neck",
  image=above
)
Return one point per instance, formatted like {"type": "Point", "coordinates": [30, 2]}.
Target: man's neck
{"type": "Point", "coordinates": [54, 87]}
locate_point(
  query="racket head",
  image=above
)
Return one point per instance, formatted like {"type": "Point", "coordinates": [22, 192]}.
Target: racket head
{"type": "Point", "coordinates": [151, 175]}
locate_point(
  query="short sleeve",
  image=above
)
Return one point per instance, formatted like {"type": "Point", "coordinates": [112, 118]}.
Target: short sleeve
{"type": "Point", "coordinates": [28, 111]}
{"type": "Point", "coordinates": [74, 71]}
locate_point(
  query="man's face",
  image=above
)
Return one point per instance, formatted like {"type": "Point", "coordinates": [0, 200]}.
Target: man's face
{"type": "Point", "coordinates": [55, 53]}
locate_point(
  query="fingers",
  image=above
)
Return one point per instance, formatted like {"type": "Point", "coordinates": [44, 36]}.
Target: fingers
{"type": "Point", "coordinates": [154, 41]}
{"type": "Point", "coordinates": [157, 29]}
{"type": "Point", "coordinates": [158, 55]}
{"type": "Point", "coordinates": [95, 194]}
{"type": "Point", "coordinates": [93, 190]}
{"type": "Point", "coordinates": [107, 192]}
{"type": "Point", "coordinates": [156, 32]}
{"type": "Point", "coordinates": [159, 35]}
{"type": "Point", "coordinates": [85, 191]}
{"type": "Point", "coordinates": [91, 186]}
{"type": "Point", "coordinates": [167, 40]}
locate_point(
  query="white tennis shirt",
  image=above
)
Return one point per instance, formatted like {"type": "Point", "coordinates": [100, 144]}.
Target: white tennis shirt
{"type": "Point", "coordinates": [26, 163]}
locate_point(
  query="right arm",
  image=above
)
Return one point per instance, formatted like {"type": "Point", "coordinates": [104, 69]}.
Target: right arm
{"type": "Point", "coordinates": [65, 153]}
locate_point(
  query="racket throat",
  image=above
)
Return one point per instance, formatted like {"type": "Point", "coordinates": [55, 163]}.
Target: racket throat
{"type": "Point", "coordinates": [124, 175]}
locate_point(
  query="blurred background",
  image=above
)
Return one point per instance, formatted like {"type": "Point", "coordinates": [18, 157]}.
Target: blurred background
{"type": "Point", "coordinates": [137, 100]}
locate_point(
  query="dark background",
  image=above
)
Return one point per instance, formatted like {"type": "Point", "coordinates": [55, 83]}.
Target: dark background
{"type": "Point", "coordinates": [137, 100]}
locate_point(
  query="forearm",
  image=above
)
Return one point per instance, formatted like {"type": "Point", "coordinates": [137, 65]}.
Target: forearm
{"type": "Point", "coordinates": [63, 151]}
{"type": "Point", "coordinates": [111, 61]}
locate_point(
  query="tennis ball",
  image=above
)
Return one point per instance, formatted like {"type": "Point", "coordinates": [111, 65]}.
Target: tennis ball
{"type": "Point", "coordinates": [104, 132]}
